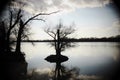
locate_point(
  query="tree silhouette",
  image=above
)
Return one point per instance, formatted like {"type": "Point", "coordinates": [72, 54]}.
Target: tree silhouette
{"type": "Point", "coordinates": [12, 24]}
{"type": "Point", "coordinates": [16, 26]}
{"type": "Point", "coordinates": [64, 33]}
{"type": "Point", "coordinates": [22, 25]}
{"type": "Point", "coordinates": [59, 35]}
{"type": "Point", "coordinates": [16, 22]}
{"type": "Point", "coordinates": [13, 29]}
{"type": "Point", "coordinates": [2, 36]}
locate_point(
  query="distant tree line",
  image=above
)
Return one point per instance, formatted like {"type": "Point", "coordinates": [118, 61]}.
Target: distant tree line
{"type": "Point", "coordinates": [95, 39]}
{"type": "Point", "coordinates": [92, 39]}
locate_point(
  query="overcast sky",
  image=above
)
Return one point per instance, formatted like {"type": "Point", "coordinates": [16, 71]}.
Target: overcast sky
{"type": "Point", "coordinates": [92, 18]}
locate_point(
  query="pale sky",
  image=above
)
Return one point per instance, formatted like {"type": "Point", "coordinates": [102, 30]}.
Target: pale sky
{"type": "Point", "coordinates": [92, 18]}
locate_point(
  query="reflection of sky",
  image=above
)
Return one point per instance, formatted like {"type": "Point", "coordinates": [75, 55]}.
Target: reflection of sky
{"type": "Point", "coordinates": [89, 57]}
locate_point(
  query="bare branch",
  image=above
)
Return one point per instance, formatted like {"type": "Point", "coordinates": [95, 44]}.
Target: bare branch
{"type": "Point", "coordinates": [63, 35]}
{"type": "Point", "coordinates": [51, 35]}
{"type": "Point", "coordinates": [39, 19]}
{"type": "Point", "coordinates": [11, 18]}
{"type": "Point", "coordinates": [39, 15]}
{"type": "Point", "coordinates": [18, 18]}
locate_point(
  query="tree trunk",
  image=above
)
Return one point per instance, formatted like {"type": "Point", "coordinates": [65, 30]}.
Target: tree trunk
{"type": "Point", "coordinates": [8, 40]}
{"type": "Point", "coordinates": [58, 43]}
{"type": "Point", "coordinates": [18, 44]}
{"type": "Point", "coordinates": [2, 37]}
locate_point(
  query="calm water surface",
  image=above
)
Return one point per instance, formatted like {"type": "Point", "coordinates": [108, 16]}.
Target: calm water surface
{"type": "Point", "coordinates": [90, 57]}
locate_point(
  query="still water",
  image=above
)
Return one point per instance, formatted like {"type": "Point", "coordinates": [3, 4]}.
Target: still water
{"type": "Point", "coordinates": [90, 57]}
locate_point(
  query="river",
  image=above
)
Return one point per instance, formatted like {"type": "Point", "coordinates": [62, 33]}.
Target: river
{"type": "Point", "coordinates": [90, 57]}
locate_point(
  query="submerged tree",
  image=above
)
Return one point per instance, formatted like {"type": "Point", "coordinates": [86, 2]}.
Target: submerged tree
{"type": "Point", "coordinates": [60, 36]}
{"type": "Point", "coordinates": [64, 32]}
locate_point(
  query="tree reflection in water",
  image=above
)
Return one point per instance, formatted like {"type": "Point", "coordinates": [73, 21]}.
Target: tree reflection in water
{"type": "Point", "coordinates": [65, 74]}
{"type": "Point", "coordinates": [58, 58]}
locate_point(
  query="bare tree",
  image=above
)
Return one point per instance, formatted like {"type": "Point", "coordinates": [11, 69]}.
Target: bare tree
{"type": "Point", "coordinates": [64, 32]}
{"type": "Point", "coordinates": [60, 35]}
{"type": "Point", "coordinates": [12, 24]}
{"type": "Point", "coordinates": [10, 19]}
{"type": "Point", "coordinates": [22, 25]}
{"type": "Point", "coordinates": [17, 23]}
